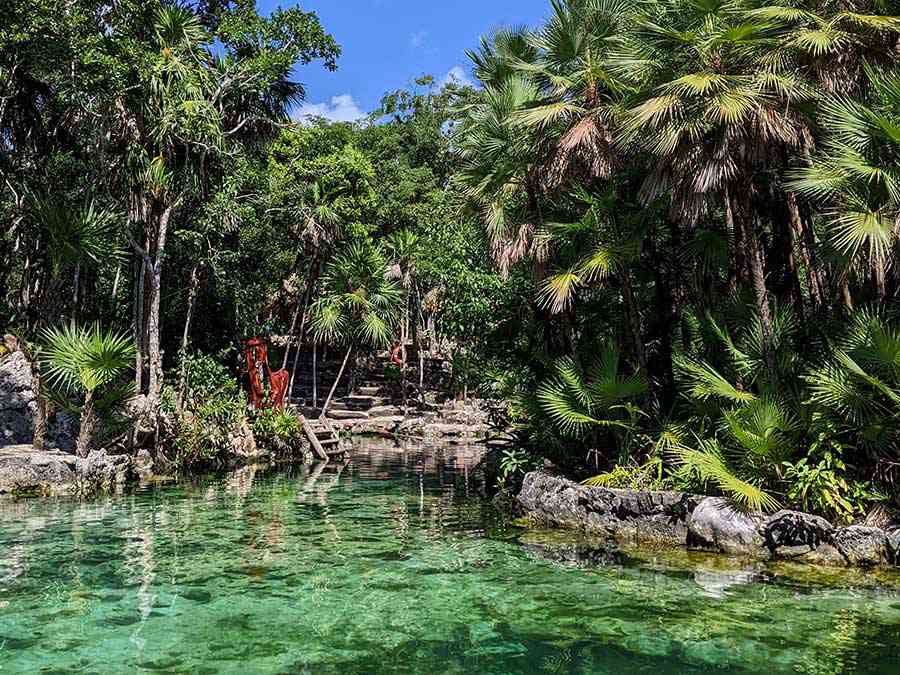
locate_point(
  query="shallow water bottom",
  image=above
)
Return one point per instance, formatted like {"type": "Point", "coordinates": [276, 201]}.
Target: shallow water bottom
{"type": "Point", "coordinates": [394, 563]}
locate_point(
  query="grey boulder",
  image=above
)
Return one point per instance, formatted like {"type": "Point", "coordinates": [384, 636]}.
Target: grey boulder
{"type": "Point", "coordinates": [862, 546]}
{"type": "Point", "coordinates": [716, 526]}
{"type": "Point", "coordinates": [18, 404]}
{"type": "Point", "coordinates": [633, 516]}
{"type": "Point", "coordinates": [794, 535]}
{"type": "Point", "coordinates": [24, 470]}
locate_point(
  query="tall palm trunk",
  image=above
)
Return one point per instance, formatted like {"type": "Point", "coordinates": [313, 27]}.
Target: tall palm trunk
{"type": "Point", "coordinates": [634, 319]}
{"type": "Point", "coordinates": [88, 424]}
{"type": "Point", "coordinates": [743, 218]}
{"type": "Point", "coordinates": [154, 351]}
{"type": "Point", "coordinates": [806, 247]}
{"type": "Point", "coordinates": [193, 289]}
{"type": "Point", "coordinates": [314, 271]}
{"type": "Point", "coordinates": [336, 381]}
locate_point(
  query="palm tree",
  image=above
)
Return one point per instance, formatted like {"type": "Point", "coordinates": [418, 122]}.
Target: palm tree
{"type": "Point", "coordinates": [580, 100]}
{"type": "Point", "coordinates": [499, 173]}
{"type": "Point", "coordinates": [601, 398]}
{"type": "Point", "coordinates": [317, 224]}
{"type": "Point", "coordinates": [78, 239]}
{"type": "Point", "coordinates": [603, 244]}
{"type": "Point", "coordinates": [83, 362]}
{"type": "Point", "coordinates": [855, 173]}
{"type": "Point", "coordinates": [359, 306]}
{"type": "Point", "coordinates": [715, 110]}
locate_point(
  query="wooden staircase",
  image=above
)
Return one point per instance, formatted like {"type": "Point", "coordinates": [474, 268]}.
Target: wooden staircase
{"type": "Point", "coordinates": [323, 437]}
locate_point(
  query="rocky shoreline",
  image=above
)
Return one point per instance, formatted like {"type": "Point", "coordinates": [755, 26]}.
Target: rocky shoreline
{"type": "Point", "coordinates": [27, 471]}
{"type": "Point", "coordinates": [695, 522]}
{"type": "Point", "coordinates": [52, 468]}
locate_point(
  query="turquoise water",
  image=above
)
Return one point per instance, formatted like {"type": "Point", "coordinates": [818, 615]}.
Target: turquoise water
{"type": "Point", "coordinates": [393, 563]}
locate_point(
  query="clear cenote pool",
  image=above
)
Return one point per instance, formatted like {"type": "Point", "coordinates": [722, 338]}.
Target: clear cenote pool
{"type": "Point", "coordinates": [395, 564]}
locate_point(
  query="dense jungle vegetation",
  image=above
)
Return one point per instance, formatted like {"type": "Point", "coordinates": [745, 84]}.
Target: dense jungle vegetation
{"type": "Point", "coordinates": [663, 233]}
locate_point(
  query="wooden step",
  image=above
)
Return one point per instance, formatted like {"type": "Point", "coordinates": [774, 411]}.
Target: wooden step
{"type": "Point", "coordinates": [348, 415]}
{"type": "Point", "coordinates": [322, 427]}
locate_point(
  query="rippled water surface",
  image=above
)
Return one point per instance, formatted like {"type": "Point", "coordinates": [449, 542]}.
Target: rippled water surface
{"type": "Point", "coordinates": [394, 563]}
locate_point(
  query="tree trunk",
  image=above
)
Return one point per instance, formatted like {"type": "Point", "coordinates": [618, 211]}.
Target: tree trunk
{"type": "Point", "coordinates": [634, 319]}
{"type": "Point", "coordinates": [846, 297]}
{"type": "Point", "coordinates": [154, 351]}
{"type": "Point", "coordinates": [40, 420]}
{"type": "Point", "coordinates": [315, 375]}
{"type": "Point", "coordinates": [287, 348]}
{"type": "Point", "coordinates": [806, 249]}
{"type": "Point", "coordinates": [310, 284]}
{"type": "Point", "coordinates": [88, 423]}
{"type": "Point", "coordinates": [193, 288]}
{"type": "Point", "coordinates": [336, 381]}
{"type": "Point", "coordinates": [141, 271]}
{"type": "Point", "coordinates": [76, 283]}
{"type": "Point", "coordinates": [744, 221]}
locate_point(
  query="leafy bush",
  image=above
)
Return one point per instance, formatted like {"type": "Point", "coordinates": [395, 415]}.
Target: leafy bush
{"type": "Point", "coordinates": [514, 464]}
{"type": "Point", "coordinates": [213, 406]}
{"type": "Point", "coordinates": [83, 370]}
{"type": "Point", "coordinates": [279, 428]}
{"type": "Point", "coordinates": [821, 482]}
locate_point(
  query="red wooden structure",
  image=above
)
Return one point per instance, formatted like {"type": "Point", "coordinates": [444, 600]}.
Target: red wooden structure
{"type": "Point", "coordinates": [259, 374]}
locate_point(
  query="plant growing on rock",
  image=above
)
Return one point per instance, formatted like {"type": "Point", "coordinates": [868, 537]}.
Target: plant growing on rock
{"type": "Point", "coordinates": [83, 368]}
{"type": "Point", "coordinates": [213, 407]}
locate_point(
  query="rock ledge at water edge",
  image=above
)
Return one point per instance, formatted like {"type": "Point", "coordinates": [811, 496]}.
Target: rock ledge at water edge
{"type": "Point", "coordinates": [703, 523]}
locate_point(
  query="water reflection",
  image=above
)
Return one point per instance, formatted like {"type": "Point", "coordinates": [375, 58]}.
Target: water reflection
{"type": "Point", "coordinates": [392, 563]}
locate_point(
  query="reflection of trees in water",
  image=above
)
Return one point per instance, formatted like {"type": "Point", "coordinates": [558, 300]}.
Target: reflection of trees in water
{"type": "Point", "coordinates": [140, 564]}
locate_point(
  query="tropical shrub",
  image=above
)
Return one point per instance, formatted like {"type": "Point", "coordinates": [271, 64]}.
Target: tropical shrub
{"type": "Point", "coordinates": [82, 370]}
{"type": "Point", "coordinates": [279, 430]}
{"type": "Point", "coordinates": [213, 407]}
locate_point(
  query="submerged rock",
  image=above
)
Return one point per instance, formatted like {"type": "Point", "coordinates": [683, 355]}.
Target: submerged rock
{"type": "Point", "coordinates": [716, 526]}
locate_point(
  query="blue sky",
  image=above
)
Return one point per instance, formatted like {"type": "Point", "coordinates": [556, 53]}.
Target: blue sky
{"type": "Point", "coordinates": [388, 43]}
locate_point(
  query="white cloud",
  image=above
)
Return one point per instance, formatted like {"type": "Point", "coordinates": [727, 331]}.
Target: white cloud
{"type": "Point", "coordinates": [457, 75]}
{"type": "Point", "coordinates": [340, 109]}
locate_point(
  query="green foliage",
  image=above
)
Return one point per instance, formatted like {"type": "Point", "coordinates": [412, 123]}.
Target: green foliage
{"type": "Point", "coordinates": [648, 476]}
{"type": "Point", "coordinates": [821, 482]}
{"type": "Point", "coordinates": [359, 304]}
{"type": "Point", "coordinates": [82, 359]}
{"type": "Point", "coordinates": [577, 401]}
{"type": "Point", "coordinates": [514, 464]}
{"type": "Point", "coordinates": [213, 408]}
{"type": "Point", "coordinates": [277, 425]}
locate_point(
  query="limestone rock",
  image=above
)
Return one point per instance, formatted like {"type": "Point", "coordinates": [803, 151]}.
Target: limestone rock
{"type": "Point", "coordinates": [242, 442]}
{"type": "Point", "coordinates": [796, 535]}
{"type": "Point", "coordinates": [18, 405]}
{"type": "Point", "coordinates": [862, 546]}
{"type": "Point", "coordinates": [24, 470]}
{"type": "Point", "coordinates": [893, 547]}
{"type": "Point", "coordinates": [716, 526]}
{"type": "Point", "coordinates": [639, 517]}
{"type": "Point", "coordinates": [102, 472]}
{"type": "Point", "coordinates": [62, 432]}
{"type": "Point", "coordinates": [143, 463]}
